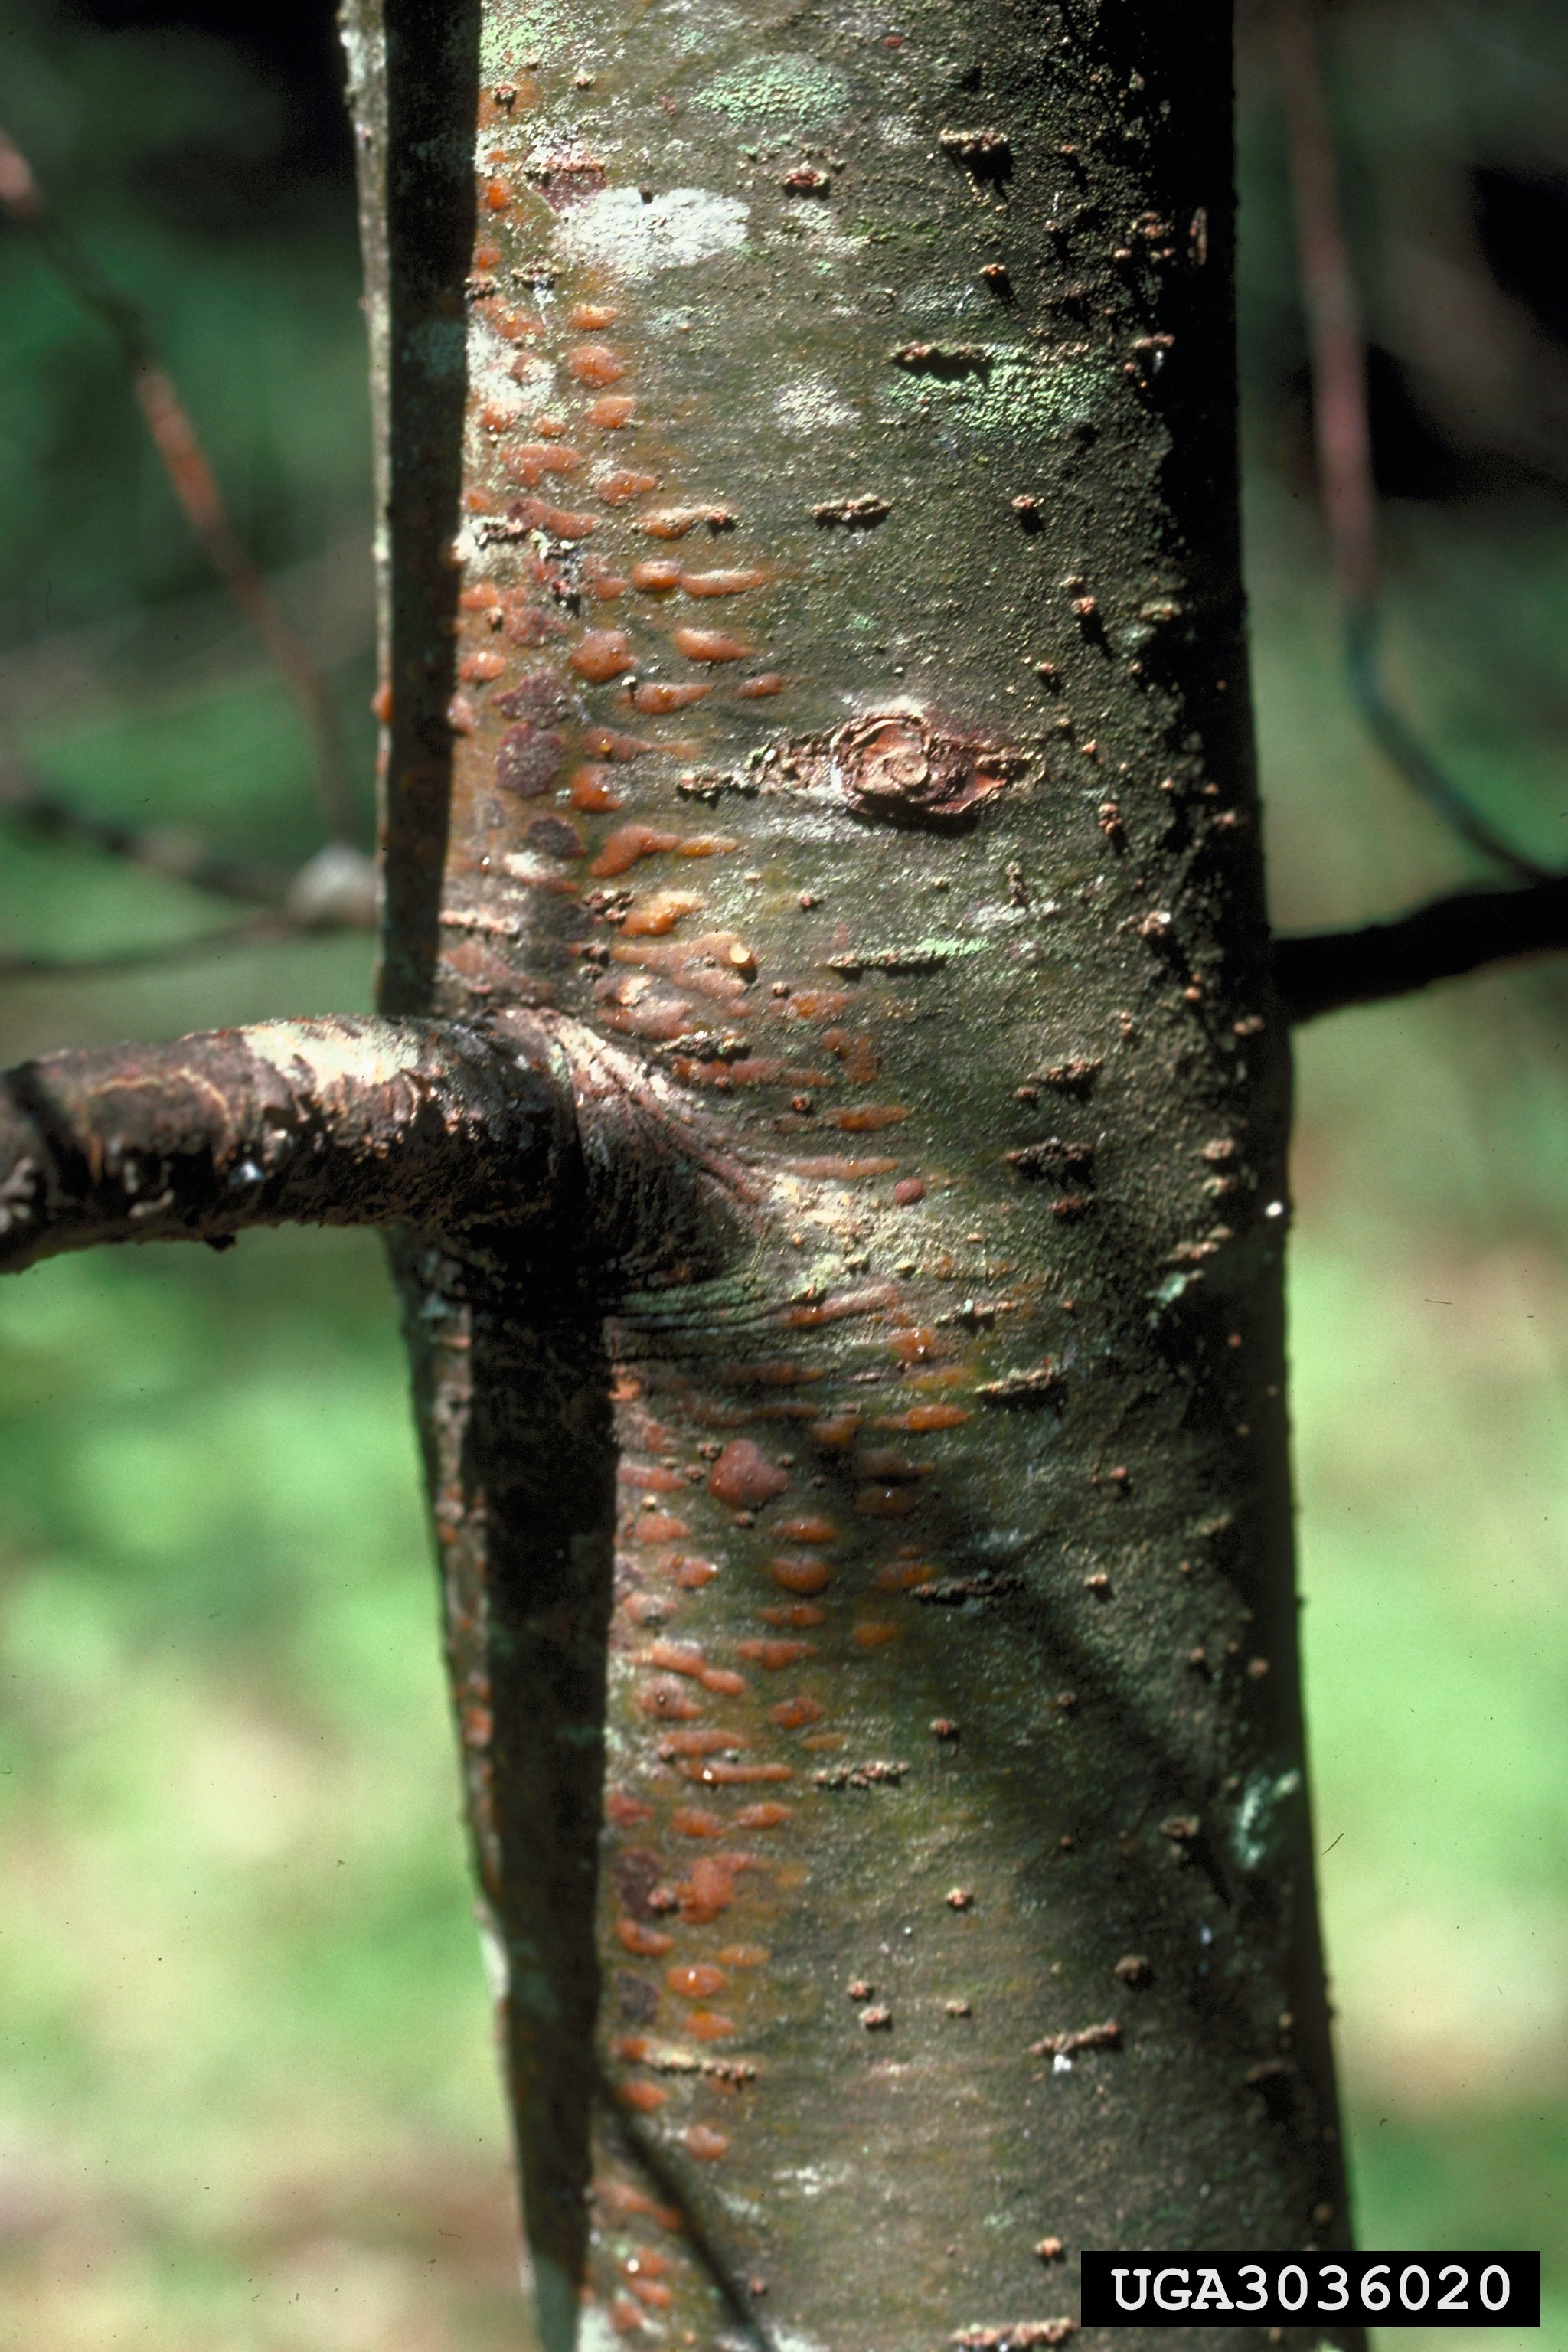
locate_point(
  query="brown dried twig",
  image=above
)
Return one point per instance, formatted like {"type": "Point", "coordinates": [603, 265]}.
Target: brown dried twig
{"type": "Point", "coordinates": [174, 437]}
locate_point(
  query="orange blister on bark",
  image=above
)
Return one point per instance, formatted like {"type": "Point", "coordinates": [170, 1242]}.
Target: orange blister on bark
{"type": "Point", "coordinates": [608, 743]}
{"type": "Point", "coordinates": [675, 1658]}
{"type": "Point", "coordinates": [627, 845]}
{"type": "Point", "coordinates": [658, 1527]}
{"type": "Point", "coordinates": [690, 1821]}
{"type": "Point", "coordinates": [922, 1419]}
{"type": "Point", "coordinates": [529, 459]}
{"type": "Point", "coordinates": [886, 1502]}
{"type": "Point", "coordinates": [810, 1530]}
{"type": "Point", "coordinates": [723, 581]}
{"type": "Point", "coordinates": [742, 1476]}
{"type": "Point", "coordinates": [716, 1773]}
{"type": "Point", "coordinates": [837, 1431]}
{"type": "Point", "coordinates": [709, 644]}
{"type": "Point", "coordinates": [660, 913]}
{"type": "Point", "coordinates": [919, 1345]}
{"type": "Point", "coordinates": [588, 788]}
{"type": "Point", "coordinates": [670, 522]}
{"type": "Point", "coordinates": [656, 696]}
{"type": "Point", "coordinates": [479, 669]}
{"type": "Point", "coordinates": [794, 1714]}
{"type": "Point", "coordinates": [665, 1702]}
{"type": "Point", "coordinates": [561, 522]}
{"type": "Point", "coordinates": [594, 364]}
{"type": "Point", "coordinates": [800, 1572]}
{"type": "Point", "coordinates": [624, 484]}
{"type": "Point", "coordinates": [700, 1981]}
{"type": "Point", "coordinates": [708, 1889]}
{"type": "Point", "coordinates": [711, 1742]}
{"type": "Point", "coordinates": [773, 1656]}
{"type": "Point", "coordinates": [603, 654]}
{"type": "Point", "coordinates": [647, 1943]}
{"type": "Point", "coordinates": [869, 1118]}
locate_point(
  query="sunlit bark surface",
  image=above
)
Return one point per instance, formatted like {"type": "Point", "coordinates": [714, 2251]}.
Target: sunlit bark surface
{"type": "Point", "coordinates": [814, 665]}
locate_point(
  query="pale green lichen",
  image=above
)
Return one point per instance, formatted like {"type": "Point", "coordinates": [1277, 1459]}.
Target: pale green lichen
{"type": "Point", "coordinates": [1016, 392]}
{"type": "Point", "coordinates": [782, 88]}
{"type": "Point", "coordinates": [508, 37]}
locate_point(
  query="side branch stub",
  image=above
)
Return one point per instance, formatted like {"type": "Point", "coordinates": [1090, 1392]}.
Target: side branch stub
{"type": "Point", "coordinates": [335, 1121]}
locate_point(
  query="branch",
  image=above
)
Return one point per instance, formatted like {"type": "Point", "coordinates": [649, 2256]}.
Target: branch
{"type": "Point", "coordinates": [154, 956]}
{"type": "Point", "coordinates": [1324, 971]}
{"type": "Point", "coordinates": [335, 890]}
{"type": "Point", "coordinates": [168, 849]}
{"type": "Point", "coordinates": [1342, 431]}
{"type": "Point", "coordinates": [174, 437]}
{"type": "Point", "coordinates": [337, 1121]}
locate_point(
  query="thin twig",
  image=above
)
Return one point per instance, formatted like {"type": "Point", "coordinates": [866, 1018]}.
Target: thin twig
{"type": "Point", "coordinates": [1342, 431]}
{"type": "Point", "coordinates": [162, 953]}
{"type": "Point", "coordinates": [1324, 971]}
{"type": "Point", "coordinates": [174, 437]}
{"type": "Point", "coordinates": [163, 849]}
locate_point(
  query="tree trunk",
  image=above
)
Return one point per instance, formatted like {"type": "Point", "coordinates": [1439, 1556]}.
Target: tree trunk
{"type": "Point", "coordinates": [819, 811]}
{"type": "Point", "coordinates": [819, 553]}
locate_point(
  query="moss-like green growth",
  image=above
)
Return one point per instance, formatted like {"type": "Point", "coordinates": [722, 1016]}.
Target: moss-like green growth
{"type": "Point", "coordinates": [783, 88]}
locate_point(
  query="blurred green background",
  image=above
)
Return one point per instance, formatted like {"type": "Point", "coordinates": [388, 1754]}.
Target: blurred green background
{"type": "Point", "coordinates": [246, 2093]}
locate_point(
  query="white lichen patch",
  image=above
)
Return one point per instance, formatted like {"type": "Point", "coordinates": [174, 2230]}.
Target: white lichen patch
{"type": "Point", "coordinates": [1016, 393]}
{"type": "Point", "coordinates": [336, 1057]}
{"type": "Point", "coordinates": [812, 403]}
{"type": "Point", "coordinates": [594, 2331]}
{"type": "Point", "coordinates": [1254, 1828]}
{"type": "Point", "coordinates": [502, 376]}
{"type": "Point", "coordinates": [617, 231]}
{"type": "Point", "coordinates": [784, 89]}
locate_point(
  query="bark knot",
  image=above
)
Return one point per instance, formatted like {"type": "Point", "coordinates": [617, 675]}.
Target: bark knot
{"type": "Point", "coordinates": [897, 767]}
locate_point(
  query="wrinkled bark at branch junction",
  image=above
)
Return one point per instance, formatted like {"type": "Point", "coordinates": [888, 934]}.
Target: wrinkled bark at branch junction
{"type": "Point", "coordinates": [813, 663]}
